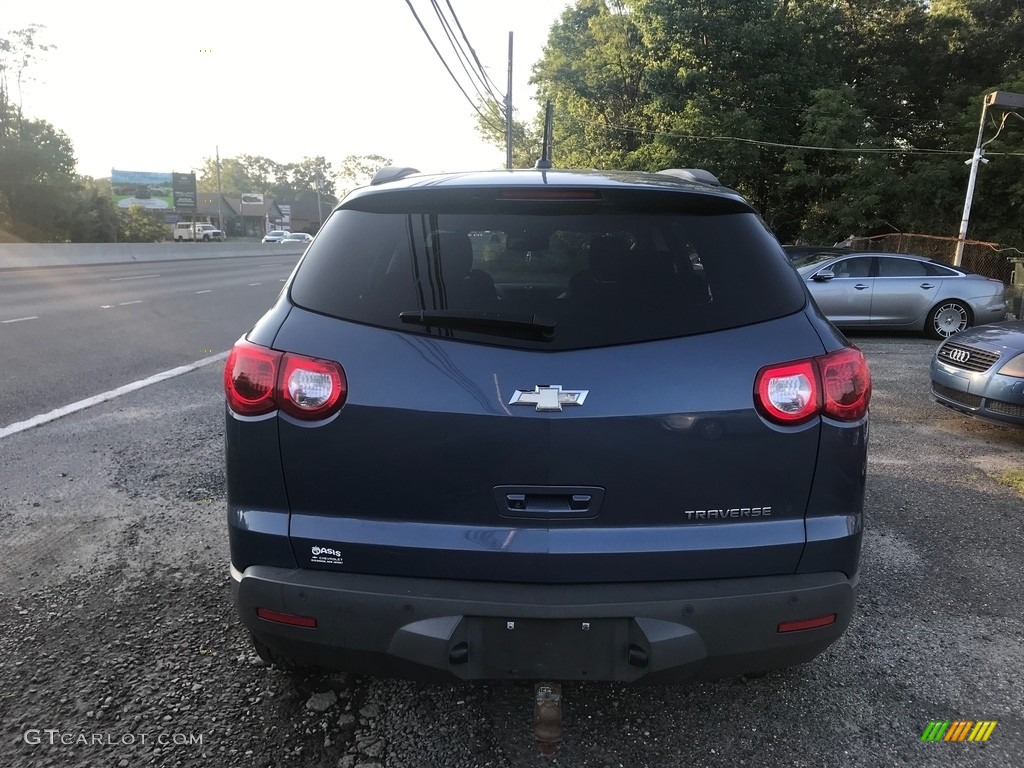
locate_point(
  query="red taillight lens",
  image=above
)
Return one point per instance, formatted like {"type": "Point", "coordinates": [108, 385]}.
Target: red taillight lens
{"type": "Point", "coordinates": [250, 377]}
{"type": "Point", "coordinates": [846, 384]}
{"type": "Point", "coordinates": [258, 381]}
{"type": "Point", "coordinates": [837, 385]}
{"type": "Point", "coordinates": [311, 388]}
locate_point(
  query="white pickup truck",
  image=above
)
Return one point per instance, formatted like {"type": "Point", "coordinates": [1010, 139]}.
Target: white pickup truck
{"type": "Point", "coordinates": [183, 230]}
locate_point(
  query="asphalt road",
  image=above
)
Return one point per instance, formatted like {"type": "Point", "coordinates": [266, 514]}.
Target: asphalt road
{"type": "Point", "coordinates": [116, 620]}
{"type": "Point", "coordinates": [70, 333]}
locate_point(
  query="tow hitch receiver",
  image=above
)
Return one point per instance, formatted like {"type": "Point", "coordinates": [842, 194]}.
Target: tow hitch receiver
{"type": "Point", "coordinates": [547, 717]}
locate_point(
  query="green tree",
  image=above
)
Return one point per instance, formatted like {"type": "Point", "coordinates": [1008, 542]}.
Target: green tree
{"type": "Point", "coordinates": [140, 225]}
{"type": "Point", "coordinates": [830, 117]}
{"type": "Point", "coordinates": [357, 170]}
{"type": "Point", "coordinates": [526, 139]}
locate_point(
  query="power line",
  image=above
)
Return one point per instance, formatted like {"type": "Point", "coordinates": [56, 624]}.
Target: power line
{"type": "Point", "coordinates": [462, 56]}
{"type": "Point", "coordinates": [783, 145]}
{"type": "Point", "coordinates": [451, 74]}
{"type": "Point", "coordinates": [495, 91]}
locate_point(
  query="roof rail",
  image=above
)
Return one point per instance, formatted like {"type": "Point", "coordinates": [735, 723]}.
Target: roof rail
{"type": "Point", "coordinates": [693, 174]}
{"type": "Point", "coordinates": [392, 173]}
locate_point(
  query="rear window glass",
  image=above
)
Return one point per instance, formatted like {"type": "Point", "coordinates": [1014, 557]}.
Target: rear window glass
{"type": "Point", "coordinates": [605, 276]}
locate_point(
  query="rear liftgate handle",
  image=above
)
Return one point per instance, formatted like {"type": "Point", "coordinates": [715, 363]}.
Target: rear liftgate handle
{"type": "Point", "coordinates": [548, 502]}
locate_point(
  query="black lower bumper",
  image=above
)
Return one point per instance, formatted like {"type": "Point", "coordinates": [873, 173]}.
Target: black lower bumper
{"type": "Point", "coordinates": [438, 629]}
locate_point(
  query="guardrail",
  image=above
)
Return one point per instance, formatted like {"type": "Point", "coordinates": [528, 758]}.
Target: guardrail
{"type": "Point", "coordinates": [31, 255]}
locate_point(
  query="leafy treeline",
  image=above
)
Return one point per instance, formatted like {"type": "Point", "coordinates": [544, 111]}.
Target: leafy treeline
{"type": "Point", "coordinates": [286, 181]}
{"type": "Point", "coordinates": [41, 196]}
{"type": "Point", "coordinates": [832, 117]}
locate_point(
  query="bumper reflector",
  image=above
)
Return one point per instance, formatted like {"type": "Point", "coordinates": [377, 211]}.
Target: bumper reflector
{"type": "Point", "coordinates": [796, 626]}
{"type": "Point", "coordinates": [286, 618]}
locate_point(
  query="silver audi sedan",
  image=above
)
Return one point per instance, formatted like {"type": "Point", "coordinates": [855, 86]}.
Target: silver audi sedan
{"type": "Point", "coordinates": [899, 291]}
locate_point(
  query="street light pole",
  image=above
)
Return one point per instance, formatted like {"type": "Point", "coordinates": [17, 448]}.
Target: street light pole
{"type": "Point", "coordinates": [1010, 102]}
{"type": "Point", "coordinates": [975, 162]}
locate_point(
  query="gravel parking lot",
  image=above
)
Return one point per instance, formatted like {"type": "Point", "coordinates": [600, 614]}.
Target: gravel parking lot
{"type": "Point", "coordinates": [119, 645]}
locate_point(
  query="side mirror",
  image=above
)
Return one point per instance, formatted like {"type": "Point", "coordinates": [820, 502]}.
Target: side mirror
{"type": "Point", "coordinates": [823, 276]}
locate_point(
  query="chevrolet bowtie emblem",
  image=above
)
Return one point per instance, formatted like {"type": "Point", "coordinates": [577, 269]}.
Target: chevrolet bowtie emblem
{"type": "Point", "coordinates": [549, 397]}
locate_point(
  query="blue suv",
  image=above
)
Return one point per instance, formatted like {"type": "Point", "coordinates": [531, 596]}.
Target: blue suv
{"type": "Point", "coordinates": [547, 425]}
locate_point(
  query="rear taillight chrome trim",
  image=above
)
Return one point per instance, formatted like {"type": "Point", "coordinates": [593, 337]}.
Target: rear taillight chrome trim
{"type": "Point", "coordinates": [836, 385]}
{"type": "Point", "coordinates": [259, 381]}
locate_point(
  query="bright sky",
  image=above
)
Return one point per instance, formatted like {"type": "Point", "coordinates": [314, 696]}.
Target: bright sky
{"type": "Point", "coordinates": [147, 86]}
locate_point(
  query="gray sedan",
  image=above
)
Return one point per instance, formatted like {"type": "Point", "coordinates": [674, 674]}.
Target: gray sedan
{"type": "Point", "coordinates": [896, 291]}
{"type": "Point", "coordinates": [981, 373]}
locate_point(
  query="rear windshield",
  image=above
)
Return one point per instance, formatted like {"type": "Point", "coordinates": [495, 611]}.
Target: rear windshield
{"type": "Point", "coordinates": [608, 275]}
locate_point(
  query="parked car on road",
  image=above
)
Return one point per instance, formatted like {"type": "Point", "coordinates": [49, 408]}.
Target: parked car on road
{"type": "Point", "coordinates": [297, 237]}
{"type": "Point", "coordinates": [980, 373]}
{"type": "Point", "coordinates": [186, 230]}
{"type": "Point", "coordinates": [897, 291]}
{"type": "Point", "coordinates": [275, 235]}
{"type": "Point", "coordinates": [545, 425]}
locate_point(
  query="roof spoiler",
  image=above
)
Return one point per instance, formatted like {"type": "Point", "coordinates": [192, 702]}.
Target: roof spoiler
{"type": "Point", "coordinates": [693, 174]}
{"type": "Point", "coordinates": [391, 173]}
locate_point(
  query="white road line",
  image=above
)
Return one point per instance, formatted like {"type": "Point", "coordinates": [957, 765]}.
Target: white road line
{"type": "Point", "coordinates": [20, 319]}
{"type": "Point", "coordinates": [106, 306]}
{"type": "Point", "coordinates": [252, 284]}
{"type": "Point", "coordinates": [127, 303]}
{"type": "Point", "coordinates": [282, 280]}
{"type": "Point", "coordinates": [57, 413]}
{"type": "Point", "coordinates": [198, 292]}
{"type": "Point", "coordinates": [134, 277]}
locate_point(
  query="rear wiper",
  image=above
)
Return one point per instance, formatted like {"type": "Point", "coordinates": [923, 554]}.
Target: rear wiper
{"type": "Point", "coordinates": [495, 323]}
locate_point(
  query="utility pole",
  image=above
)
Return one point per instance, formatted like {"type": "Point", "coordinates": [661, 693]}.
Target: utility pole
{"type": "Point", "coordinates": [975, 163]}
{"type": "Point", "coordinates": [319, 208]}
{"type": "Point", "coordinates": [508, 109]}
{"type": "Point", "coordinates": [220, 198]}
{"type": "Point", "coordinates": [1010, 102]}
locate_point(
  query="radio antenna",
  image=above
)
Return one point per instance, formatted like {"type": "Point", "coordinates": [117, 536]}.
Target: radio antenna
{"type": "Point", "coordinates": [545, 152]}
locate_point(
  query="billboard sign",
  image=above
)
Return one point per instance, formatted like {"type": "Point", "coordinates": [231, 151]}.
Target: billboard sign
{"type": "Point", "coordinates": [146, 189]}
{"type": "Point", "coordinates": [184, 188]}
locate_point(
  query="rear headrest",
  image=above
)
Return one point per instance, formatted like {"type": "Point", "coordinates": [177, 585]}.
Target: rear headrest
{"type": "Point", "coordinates": [607, 254]}
{"type": "Point", "coordinates": [456, 255]}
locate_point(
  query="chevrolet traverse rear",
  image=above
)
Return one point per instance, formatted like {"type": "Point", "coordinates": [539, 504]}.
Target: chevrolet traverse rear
{"type": "Point", "coordinates": [545, 425]}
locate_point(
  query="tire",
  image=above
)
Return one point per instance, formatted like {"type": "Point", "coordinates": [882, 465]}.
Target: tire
{"type": "Point", "coordinates": [206, 238]}
{"type": "Point", "coordinates": [947, 319]}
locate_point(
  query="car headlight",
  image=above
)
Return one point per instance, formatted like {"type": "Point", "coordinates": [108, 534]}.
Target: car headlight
{"type": "Point", "coordinates": [1015, 367]}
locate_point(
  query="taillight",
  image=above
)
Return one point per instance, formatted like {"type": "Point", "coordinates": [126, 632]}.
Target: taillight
{"type": "Point", "coordinates": [846, 384]}
{"type": "Point", "coordinates": [250, 378]}
{"type": "Point", "coordinates": [837, 385]}
{"type": "Point", "coordinates": [258, 380]}
{"type": "Point", "coordinates": [311, 388]}
{"type": "Point", "coordinates": [789, 393]}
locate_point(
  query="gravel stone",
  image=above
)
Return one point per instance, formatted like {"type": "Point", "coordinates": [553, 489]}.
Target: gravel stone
{"type": "Point", "coordinates": [321, 702]}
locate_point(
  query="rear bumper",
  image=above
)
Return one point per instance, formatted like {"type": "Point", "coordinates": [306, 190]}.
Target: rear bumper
{"type": "Point", "coordinates": [434, 629]}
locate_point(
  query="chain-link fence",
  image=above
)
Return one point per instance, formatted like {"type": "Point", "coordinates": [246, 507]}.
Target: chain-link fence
{"type": "Point", "coordinates": [979, 256]}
